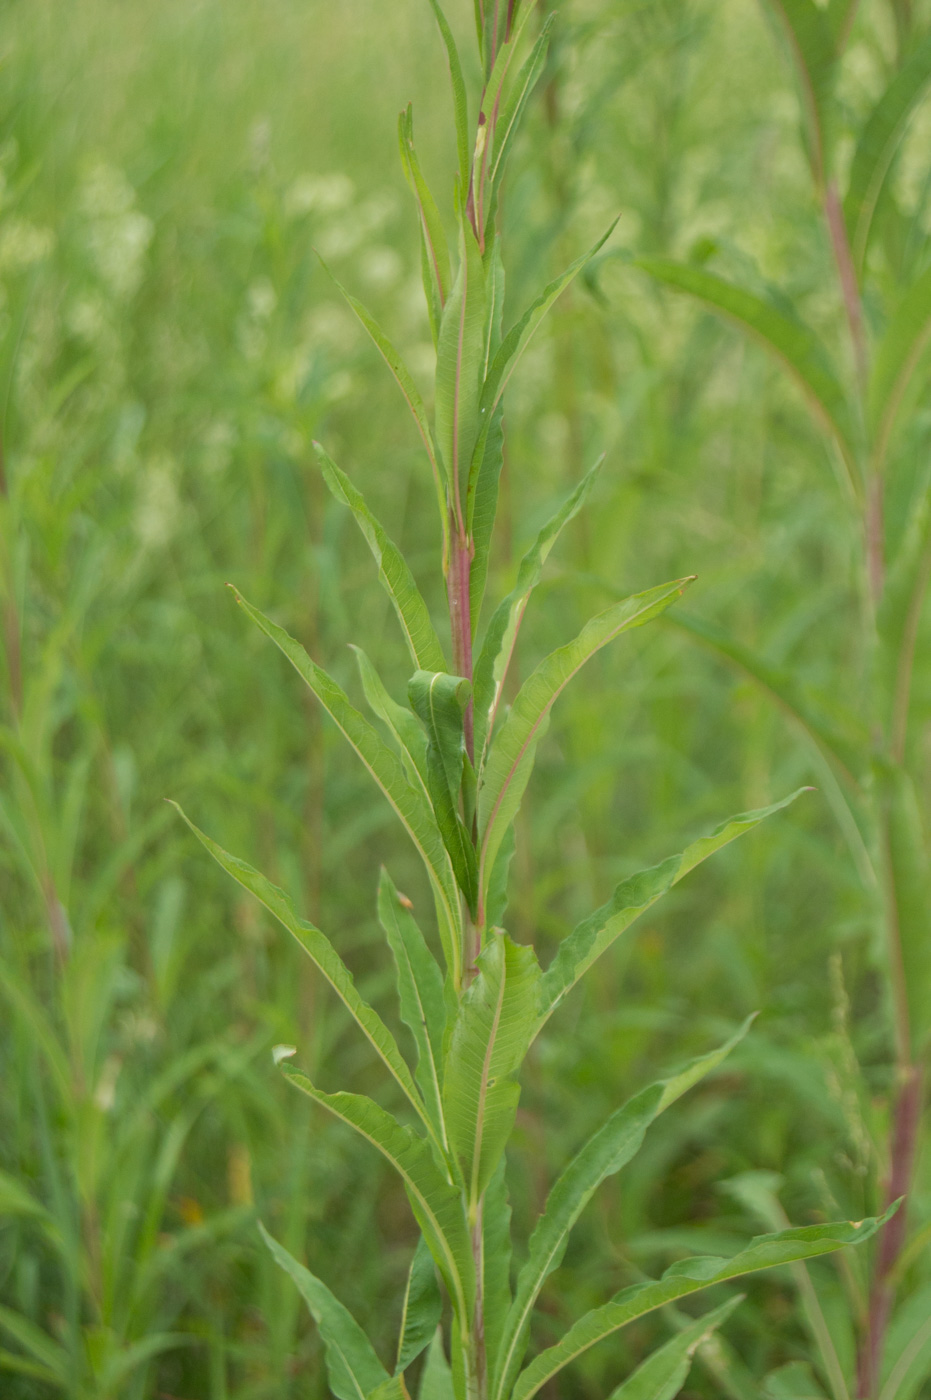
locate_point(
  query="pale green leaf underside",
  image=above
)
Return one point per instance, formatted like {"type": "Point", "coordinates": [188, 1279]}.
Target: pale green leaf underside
{"type": "Point", "coordinates": [422, 1309]}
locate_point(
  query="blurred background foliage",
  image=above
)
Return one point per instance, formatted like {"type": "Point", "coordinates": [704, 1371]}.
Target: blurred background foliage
{"type": "Point", "coordinates": [168, 348]}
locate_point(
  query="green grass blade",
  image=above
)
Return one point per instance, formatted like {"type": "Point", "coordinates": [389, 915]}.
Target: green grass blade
{"type": "Point", "coordinates": [792, 342]}
{"type": "Point", "coordinates": [487, 1044]}
{"type": "Point", "coordinates": [420, 992]}
{"type": "Point", "coordinates": [393, 571]}
{"type": "Point", "coordinates": [422, 1308]}
{"type": "Point", "coordinates": [437, 1205]}
{"type": "Point", "coordinates": [663, 1374]}
{"type": "Point", "coordinates": [686, 1277]}
{"type": "Point", "coordinates": [353, 1369]}
{"type": "Point", "coordinates": [46, 1352]}
{"type": "Point", "coordinates": [897, 355]}
{"type": "Point", "coordinates": [384, 766]}
{"type": "Point", "coordinates": [589, 939]}
{"type": "Point", "coordinates": [879, 140]}
{"type": "Point", "coordinates": [510, 760]}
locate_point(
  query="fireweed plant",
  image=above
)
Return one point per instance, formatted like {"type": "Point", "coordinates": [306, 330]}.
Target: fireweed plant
{"type": "Point", "coordinates": [863, 401]}
{"type": "Point", "coordinates": [454, 762]}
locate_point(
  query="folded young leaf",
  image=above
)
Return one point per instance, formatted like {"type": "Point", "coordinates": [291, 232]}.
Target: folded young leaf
{"type": "Point", "coordinates": [420, 991]}
{"type": "Point", "coordinates": [393, 572]}
{"type": "Point", "coordinates": [589, 939]}
{"type": "Point", "coordinates": [436, 1203]}
{"type": "Point", "coordinates": [325, 957]}
{"type": "Point", "coordinates": [401, 724]}
{"type": "Point", "coordinates": [353, 1369]}
{"type": "Point", "coordinates": [439, 701]}
{"type": "Point", "coordinates": [491, 668]}
{"type": "Point", "coordinates": [878, 143]}
{"type": "Point", "coordinates": [436, 1382]}
{"type": "Point", "coordinates": [509, 764]}
{"type": "Point", "coordinates": [384, 766]}
{"type": "Point", "coordinates": [663, 1374]}
{"type": "Point", "coordinates": [422, 1309]}
{"type": "Point", "coordinates": [487, 1044]}
{"type": "Point", "coordinates": [690, 1276]}
{"type": "Point", "coordinates": [790, 340]}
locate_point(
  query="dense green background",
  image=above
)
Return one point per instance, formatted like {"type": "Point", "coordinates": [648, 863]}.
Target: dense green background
{"type": "Point", "coordinates": [169, 348]}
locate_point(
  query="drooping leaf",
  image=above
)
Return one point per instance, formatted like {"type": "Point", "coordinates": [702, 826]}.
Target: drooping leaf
{"type": "Point", "coordinates": [897, 355]}
{"type": "Point", "coordinates": [496, 1283]}
{"type": "Point", "coordinates": [663, 1374]}
{"type": "Point", "coordinates": [510, 761]}
{"type": "Point", "coordinates": [325, 957]}
{"type": "Point", "coordinates": [420, 991]}
{"type": "Point", "coordinates": [460, 98]}
{"type": "Point", "coordinates": [436, 1382]}
{"type": "Point", "coordinates": [439, 701]}
{"type": "Point", "coordinates": [422, 1309]}
{"type": "Point", "coordinates": [811, 40]}
{"type": "Point", "coordinates": [459, 358]}
{"type": "Point", "coordinates": [353, 1369]}
{"type": "Point", "coordinates": [491, 668]}
{"type": "Point", "coordinates": [436, 1203]}
{"type": "Point", "coordinates": [401, 724]}
{"type": "Point", "coordinates": [435, 253]}
{"type": "Point", "coordinates": [393, 571]}
{"type": "Point", "coordinates": [792, 342]}
{"type": "Point", "coordinates": [413, 811]}
{"type": "Point", "coordinates": [878, 143]}
{"type": "Point", "coordinates": [685, 1277]}
{"type": "Point", "coordinates": [487, 1044]}
{"type": "Point", "coordinates": [589, 939]}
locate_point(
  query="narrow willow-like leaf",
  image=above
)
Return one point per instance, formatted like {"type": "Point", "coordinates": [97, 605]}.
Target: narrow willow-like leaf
{"type": "Point", "coordinates": [488, 1042]}
{"type": "Point", "coordinates": [512, 110]}
{"type": "Point", "coordinates": [460, 98]}
{"type": "Point", "coordinates": [459, 359]}
{"type": "Point", "coordinates": [813, 50]}
{"type": "Point", "coordinates": [878, 143]}
{"type": "Point", "coordinates": [685, 1277]}
{"type": "Point", "coordinates": [436, 1383]}
{"type": "Point", "coordinates": [439, 701]}
{"type": "Point", "coordinates": [589, 939]}
{"type": "Point", "coordinates": [790, 340]}
{"type": "Point", "coordinates": [483, 504]}
{"type": "Point", "coordinates": [422, 1309]}
{"type": "Point", "coordinates": [385, 768]}
{"type": "Point", "coordinates": [436, 1204]}
{"type": "Point", "coordinates": [401, 724]}
{"type": "Point", "coordinates": [420, 992]}
{"type": "Point", "coordinates": [496, 1282]}
{"type": "Point", "coordinates": [663, 1374]}
{"type": "Point", "coordinates": [510, 761]}
{"type": "Point", "coordinates": [433, 237]}
{"type": "Point", "coordinates": [606, 1152]}
{"type": "Point", "coordinates": [393, 571]}
{"type": "Point", "coordinates": [353, 1369]}
{"type": "Point", "coordinates": [491, 668]}
{"type": "Point", "coordinates": [896, 357]}
{"type": "Point", "coordinates": [325, 957]}
{"type": "Point", "coordinates": [506, 360]}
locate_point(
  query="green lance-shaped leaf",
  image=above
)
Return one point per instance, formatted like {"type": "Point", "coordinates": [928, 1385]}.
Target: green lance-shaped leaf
{"type": "Point", "coordinates": [439, 701]}
{"type": "Point", "coordinates": [50, 1361]}
{"type": "Point", "coordinates": [384, 766]}
{"type": "Point", "coordinates": [512, 110]}
{"type": "Point", "coordinates": [412, 395]}
{"type": "Point", "coordinates": [437, 1205]}
{"type": "Point", "coordinates": [589, 939]}
{"type": "Point", "coordinates": [510, 761]}
{"type": "Point", "coordinates": [814, 53]}
{"type": "Point", "coordinates": [325, 957]}
{"type": "Point", "coordinates": [489, 1039]}
{"type": "Point", "coordinates": [459, 358]}
{"type": "Point", "coordinates": [663, 1374]}
{"type": "Point", "coordinates": [910, 867]}
{"type": "Point", "coordinates": [460, 98]}
{"type": "Point", "coordinates": [484, 508]}
{"type": "Point", "coordinates": [420, 992]}
{"type": "Point", "coordinates": [408, 735]}
{"type": "Point", "coordinates": [605, 1153]}
{"type": "Point", "coordinates": [878, 143]}
{"type": "Point", "coordinates": [393, 572]}
{"type": "Point", "coordinates": [491, 668]}
{"type": "Point", "coordinates": [685, 1277]}
{"type": "Point", "coordinates": [436, 1382]}
{"type": "Point", "coordinates": [423, 1307]}
{"type": "Point", "coordinates": [898, 353]}
{"type": "Point", "coordinates": [792, 342]}
{"type": "Point", "coordinates": [496, 1259]}
{"type": "Point", "coordinates": [434, 250]}
{"type": "Point", "coordinates": [353, 1369]}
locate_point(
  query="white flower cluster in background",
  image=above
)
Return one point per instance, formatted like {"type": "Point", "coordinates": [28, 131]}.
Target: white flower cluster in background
{"type": "Point", "coordinates": [117, 235]}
